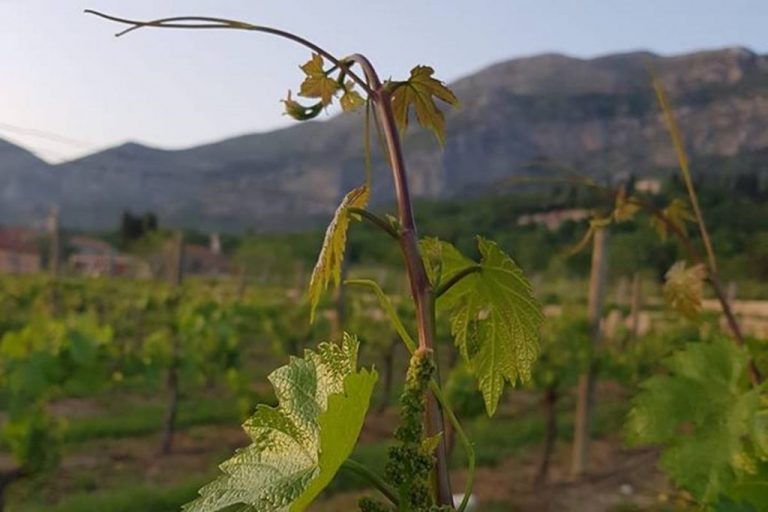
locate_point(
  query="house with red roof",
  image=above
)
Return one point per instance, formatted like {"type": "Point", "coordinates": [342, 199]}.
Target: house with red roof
{"type": "Point", "coordinates": [20, 250]}
{"type": "Point", "coordinates": [95, 258]}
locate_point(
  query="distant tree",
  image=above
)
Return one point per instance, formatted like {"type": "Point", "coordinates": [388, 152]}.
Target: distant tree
{"type": "Point", "coordinates": [630, 184]}
{"type": "Point", "coordinates": [149, 221]}
{"type": "Point", "coordinates": [748, 185]}
{"type": "Point", "coordinates": [134, 227]}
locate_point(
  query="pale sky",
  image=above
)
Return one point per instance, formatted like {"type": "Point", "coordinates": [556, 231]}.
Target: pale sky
{"type": "Point", "coordinates": [67, 87]}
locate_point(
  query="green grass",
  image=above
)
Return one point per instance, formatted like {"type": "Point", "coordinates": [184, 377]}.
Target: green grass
{"type": "Point", "coordinates": [372, 455]}
{"type": "Point", "coordinates": [148, 419]}
{"type": "Point", "coordinates": [625, 507]}
{"type": "Point", "coordinates": [499, 506]}
{"type": "Point", "coordinates": [496, 439]}
{"type": "Point", "coordinates": [138, 498]}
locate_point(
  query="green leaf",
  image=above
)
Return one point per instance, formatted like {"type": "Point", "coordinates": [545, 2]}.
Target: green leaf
{"type": "Point", "coordinates": [33, 437]}
{"type": "Point", "coordinates": [317, 84]}
{"type": "Point", "coordinates": [760, 432]}
{"type": "Point", "coordinates": [340, 426]}
{"type": "Point", "coordinates": [751, 493]}
{"type": "Point", "coordinates": [703, 413]}
{"type": "Point", "coordinates": [301, 112]}
{"type": "Point", "coordinates": [677, 213]}
{"type": "Point", "coordinates": [298, 447]}
{"type": "Point", "coordinates": [566, 351]}
{"type": "Point", "coordinates": [331, 257]}
{"type": "Point", "coordinates": [684, 288]}
{"type": "Point", "coordinates": [420, 91]}
{"type": "Point", "coordinates": [495, 318]}
{"type": "Point", "coordinates": [351, 99]}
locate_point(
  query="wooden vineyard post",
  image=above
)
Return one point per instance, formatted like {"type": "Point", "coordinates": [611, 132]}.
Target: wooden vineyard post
{"type": "Point", "coordinates": [54, 254]}
{"type": "Point", "coordinates": [584, 406]}
{"type": "Point", "coordinates": [636, 306]}
{"type": "Point", "coordinates": [176, 277]}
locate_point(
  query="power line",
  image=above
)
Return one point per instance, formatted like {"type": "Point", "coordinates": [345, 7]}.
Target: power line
{"type": "Point", "coordinates": [54, 137]}
{"type": "Point", "coordinates": [44, 153]}
{"type": "Point", "coordinates": [20, 135]}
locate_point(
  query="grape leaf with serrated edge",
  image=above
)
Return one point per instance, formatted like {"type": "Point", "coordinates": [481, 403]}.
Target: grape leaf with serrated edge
{"type": "Point", "coordinates": [419, 92]}
{"type": "Point", "coordinates": [684, 288]}
{"type": "Point", "coordinates": [495, 318]}
{"type": "Point", "coordinates": [299, 446]}
{"type": "Point", "coordinates": [331, 257]}
{"type": "Point", "coordinates": [703, 412]}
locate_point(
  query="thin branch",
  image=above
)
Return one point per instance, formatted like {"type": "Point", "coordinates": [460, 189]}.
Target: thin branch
{"type": "Point", "coordinates": [712, 277]}
{"type": "Point", "coordinates": [455, 278]}
{"type": "Point", "coordinates": [681, 235]}
{"type": "Point", "coordinates": [360, 470]}
{"type": "Point", "coordinates": [582, 181]}
{"type": "Point", "coordinates": [376, 221]}
{"type": "Point", "coordinates": [386, 304]}
{"type": "Point", "coordinates": [463, 439]}
{"type": "Point", "coordinates": [367, 154]}
{"type": "Point", "coordinates": [205, 22]}
{"type": "Point", "coordinates": [696, 257]}
{"type": "Point", "coordinates": [573, 175]}
{"type": "Point", "coordinates": [685, 169]}
{"type": "Point", "coordinates": [368, 69]}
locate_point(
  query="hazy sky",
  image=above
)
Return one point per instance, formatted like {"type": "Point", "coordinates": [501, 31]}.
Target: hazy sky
{"type": "Point", "coordinates": [63, 75]}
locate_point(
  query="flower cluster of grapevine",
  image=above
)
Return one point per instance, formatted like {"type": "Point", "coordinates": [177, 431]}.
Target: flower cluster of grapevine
{"type": "Point", "coordinates": [411, 460]}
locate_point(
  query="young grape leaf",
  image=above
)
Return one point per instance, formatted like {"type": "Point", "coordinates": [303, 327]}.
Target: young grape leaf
{"type": "Point", "coordinates": [317, 84]}
{"type": "Point", "coordinates": [351, 99]}
{"type": "Point", "coordinates": [301, 112]}
{"type": "Point", "coordinates": [331, 257]}
{"type": "Point", "coordinates": [420, 91]}
{"type": "Point", "coordinates": [703, 412]}
{"type": "Point", "coordinates": [299, 446]}
{"type": "Point", "coordinates": [684, 288]}
{"type": "Point", "coordinates": [677, 213]}
{"type": "Point", "coordinates": [495, 318]}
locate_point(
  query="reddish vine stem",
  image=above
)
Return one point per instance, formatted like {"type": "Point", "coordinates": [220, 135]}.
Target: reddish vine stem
{"type": "Point", "coordinates": [712, 277]}
{"type": "Point", "coordinates": [685, 169]}
{"type": "Point", "coordinates": [421, 288]}
{"type": "Point", "coordinates": [456, 278]}
{"type": "Point", "coordinates": [206, 22]}
{"type": "Point", "coordinates": [693, 253]}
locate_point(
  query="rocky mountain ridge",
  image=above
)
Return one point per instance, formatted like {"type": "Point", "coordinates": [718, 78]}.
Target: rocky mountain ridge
{"type": "Point", "coordinates": [597, 115]}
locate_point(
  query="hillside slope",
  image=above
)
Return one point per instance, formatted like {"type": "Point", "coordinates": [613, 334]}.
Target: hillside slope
{"type": "Point", "coordinates": [598, 115]}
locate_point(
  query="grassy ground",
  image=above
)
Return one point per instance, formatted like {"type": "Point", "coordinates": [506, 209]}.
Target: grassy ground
{"type": "Point", "coordinates": [146, 498]}
{"type": "Point", "coordinates": [144, 420]}
{"type": "Point", "coordinates": [111, 461]}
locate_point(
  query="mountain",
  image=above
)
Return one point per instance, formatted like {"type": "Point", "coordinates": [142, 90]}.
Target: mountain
{"type": "Point", "coordinates": [28, 185]}
{"type": "Point", "coordinates": [597, 115]}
